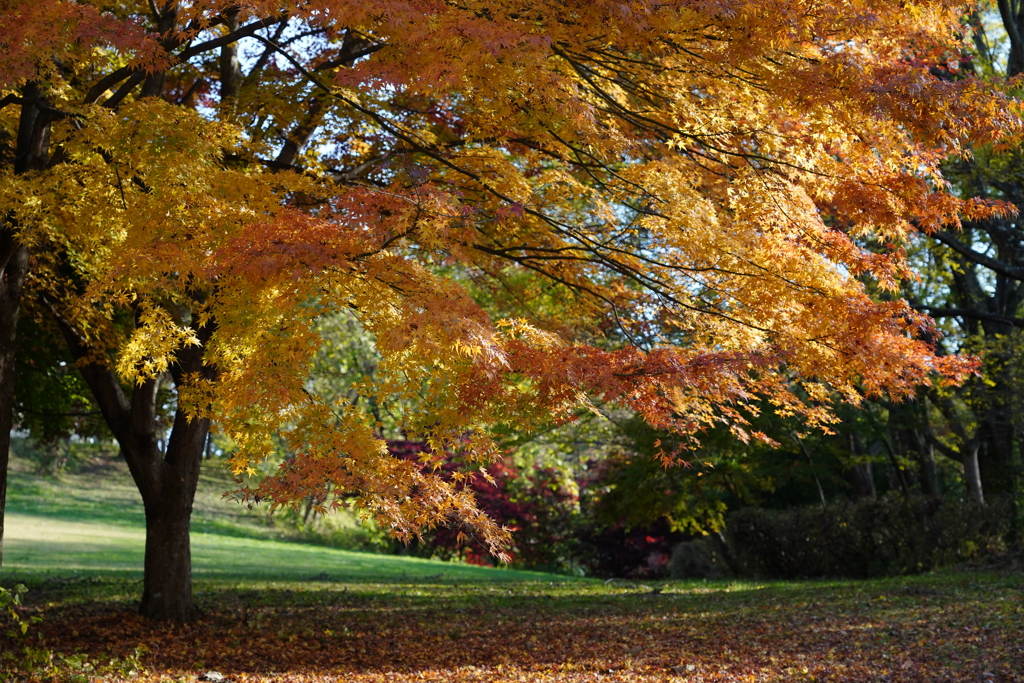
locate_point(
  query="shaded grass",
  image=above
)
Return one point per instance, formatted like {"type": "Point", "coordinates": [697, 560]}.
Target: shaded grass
{"type": "Point", "coordinates": [944, 627]}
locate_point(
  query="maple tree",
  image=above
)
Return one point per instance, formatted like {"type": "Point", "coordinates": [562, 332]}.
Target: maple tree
{"type": "Point", "coordinates": [662, 205]}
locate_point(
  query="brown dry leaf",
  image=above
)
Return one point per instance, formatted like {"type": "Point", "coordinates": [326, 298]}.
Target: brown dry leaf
{"type": "Point", "coordinates": [562, 634]}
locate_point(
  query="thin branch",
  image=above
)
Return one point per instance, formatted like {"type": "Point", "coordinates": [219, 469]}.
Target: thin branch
{"type": "Point", "coordinates": [660, 289]}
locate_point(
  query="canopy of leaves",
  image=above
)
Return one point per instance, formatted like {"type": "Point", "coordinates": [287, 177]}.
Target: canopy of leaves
{"type": "Point", "coordinates": [525, 207]}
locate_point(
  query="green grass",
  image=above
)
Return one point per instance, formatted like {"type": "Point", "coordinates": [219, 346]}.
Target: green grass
{"type": "Point", "coordinates": [104, 492]}
{"type": "Point", "coordinates": [92, 524]}
{"type": "Point", "coordinates": [37, 546]}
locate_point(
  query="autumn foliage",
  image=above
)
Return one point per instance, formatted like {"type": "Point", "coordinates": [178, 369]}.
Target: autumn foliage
{"type": "Point", "coordinates": [670, 206]}
{"type": "Point", "coordinates": [537, 506]}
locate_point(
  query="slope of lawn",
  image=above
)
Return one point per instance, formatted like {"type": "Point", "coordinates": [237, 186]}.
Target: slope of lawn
{"type": "Point", "coordinates": [102, 491]}
{"type": "Point", "coordinates": [92, 523]}
{"type": "Point", "coordinates": [40, 547]}
{"type": "Point", "coordinates": [273, 612]}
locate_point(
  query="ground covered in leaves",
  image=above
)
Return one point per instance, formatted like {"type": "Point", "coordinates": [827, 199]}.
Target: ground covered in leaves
{"type": "Point", "coordinates": [950, 627]}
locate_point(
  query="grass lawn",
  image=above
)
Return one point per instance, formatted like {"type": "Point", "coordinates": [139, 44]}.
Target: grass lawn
{"type": "Point", "coordinates": [273, 611]}
{"type": "Point", "coordinates": [37, 548]}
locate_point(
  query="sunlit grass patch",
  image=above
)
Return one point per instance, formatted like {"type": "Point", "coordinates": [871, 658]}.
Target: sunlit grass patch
{"type": "Point", "coordinates": [38, 547]}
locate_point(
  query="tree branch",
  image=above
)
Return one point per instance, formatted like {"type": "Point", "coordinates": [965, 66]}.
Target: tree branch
{"type": "Point", "coordinates": [936, 312]}
{"type": "Point", "coordinates": [105, 388]}
{"type": "Point", "coordinates": [112, 79]}
{"type": "Point", "coordinates": [1012, 272]}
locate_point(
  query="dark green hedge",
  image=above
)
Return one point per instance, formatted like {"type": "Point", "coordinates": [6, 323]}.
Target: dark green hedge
{"type": "Point", "coordinates": [872, 537]}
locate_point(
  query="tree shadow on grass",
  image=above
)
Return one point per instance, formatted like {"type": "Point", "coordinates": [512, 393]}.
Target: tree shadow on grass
{"type": "Point", "coordinates": [446, 630]}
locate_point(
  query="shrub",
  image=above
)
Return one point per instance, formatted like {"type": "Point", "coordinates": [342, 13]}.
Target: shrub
{"type": "Point", "coordinates": [872, 537]}
{"type": "Point", "coordinates": [630, 552]}
{"type": "Point", "coordinates": [698, 559]}
{"type": "Point", "coordinates": [538, 505]}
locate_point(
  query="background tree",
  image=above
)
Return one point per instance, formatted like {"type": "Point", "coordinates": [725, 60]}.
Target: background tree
{"type": "Point", "coordinates": [523, 208]}
{"type": "Point", "coordinates": [974, 281]}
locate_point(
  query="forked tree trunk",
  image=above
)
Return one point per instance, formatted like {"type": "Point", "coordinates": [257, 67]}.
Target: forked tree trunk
{"type": "Point", "coordinates": [967, 453]}
{"type": "Point", "coordinates": [166, 480]}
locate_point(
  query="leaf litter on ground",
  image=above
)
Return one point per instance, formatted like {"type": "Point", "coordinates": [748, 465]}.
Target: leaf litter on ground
{"type": "Point", "coordinates": [947, 627]}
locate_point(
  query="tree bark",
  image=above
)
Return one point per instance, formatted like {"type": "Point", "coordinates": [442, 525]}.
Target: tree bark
{"type": "Point", "coordinates": [30, 154]}
{"type": "Point", "coordinates": [167, 583]}
{"type": "Point", "coordinates": [154, 82]}
{"type": "Point", "coordinates": [862, 478]}
{"type": "Point", "coordinates": [1012, 22]}
{"type": "Point", "coordinates": [12, 277]}
{"type": "Point", "coordinates": [995, 457]}
{"type": "Point", "coordinates": [928, 471]}
{"type": "Point", "coordinates": [166, 480]}
{"type": "Point", "coordinates": [861, 475]}
{"type": "Point", "coordinates": [967, 452]}
{"type": "Point", "coordinates": [972, 474]}
{"type": "Point", "coordinates": [897, 472]}
{"type": "Point", "coordinates": [230, 70]}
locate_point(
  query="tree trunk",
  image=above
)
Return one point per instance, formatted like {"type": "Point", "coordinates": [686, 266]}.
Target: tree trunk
{"type": "Point", "coordinates": [167, 483]}
{"type": "Point", "coordinates": [861, 476]}
{"type": "Point", "coordinates": [1014, 24]}
{"type": "Point", "coordinates": [972, 474]}
{"type": "Point", "coordinates": [929, 472]}
{"type": "Point", "coordinates": [12, 277]}
{"type": "Point", "coordinates": [810, 462]}
{"type": "Point", "coordinates": [167, 480]}
{"type": "Point", "coordinates": [154, 83]}
{"type": "Point", "coordinates": [30, 154]}
{"type": "Point", "coordinates": [995, 457]}
{"type": "Point", "coordinates": [897, 471]}
{"type": "Point", "coordinates": [167, 585]}
{"type": "Point", "coordinates": [230, 70]}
